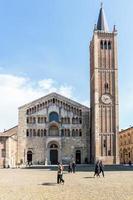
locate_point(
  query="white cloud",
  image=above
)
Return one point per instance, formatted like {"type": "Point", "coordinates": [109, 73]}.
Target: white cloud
{"type": "Point", "coordinates": [66, 90]}
{"type": "Point", "coordinates": [16, 91]}
{"type": "Point", "coordinates": [47, 84]}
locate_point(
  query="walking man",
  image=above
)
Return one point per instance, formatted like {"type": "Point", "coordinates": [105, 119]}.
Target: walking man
{"type": "Point", "coordinates": [97, 169]}
{"type": "Point", "coordinates": [101, 166]}
{"type": "Point", "coordinates": [60, 174]}
{"type": "Point", "coordinates": [73, 166]}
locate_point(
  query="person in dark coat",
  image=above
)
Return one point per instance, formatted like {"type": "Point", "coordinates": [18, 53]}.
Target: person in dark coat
{"type": "Point", "coordinates": [70, 168]}
{"type": "Point", "coordinates": [97, 169]}
{"type": "Point", "coordinates": [101, 166]}
{"type": "Point", "coordinates": [73, 167]}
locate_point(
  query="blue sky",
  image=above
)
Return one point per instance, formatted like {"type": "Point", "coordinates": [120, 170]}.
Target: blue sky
{"type": "Point", "coordinates": [44, 47]}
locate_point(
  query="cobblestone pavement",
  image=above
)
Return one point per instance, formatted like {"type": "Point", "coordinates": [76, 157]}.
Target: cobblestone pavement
{"type": "Point", "coordinates": [40, 184]}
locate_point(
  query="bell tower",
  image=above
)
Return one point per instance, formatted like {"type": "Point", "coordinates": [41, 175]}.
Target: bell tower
{"type": "Point", "coordinates": [104, 92]}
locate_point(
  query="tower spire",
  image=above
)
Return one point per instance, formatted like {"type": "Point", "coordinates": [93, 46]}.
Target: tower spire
{"type": "Point", "coordinates": [102, 22]}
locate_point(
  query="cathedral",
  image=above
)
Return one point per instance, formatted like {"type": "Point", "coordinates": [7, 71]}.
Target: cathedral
{"type": "Point", "coordinates": [56, 129]}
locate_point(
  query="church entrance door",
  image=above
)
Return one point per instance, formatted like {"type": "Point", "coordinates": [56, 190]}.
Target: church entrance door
{"type": "Point", "coordinates": [78, 157]}
{"type": "Point", "coordinates": [29, 156]}
{"type": "Point", "coordinates": [54, 156]}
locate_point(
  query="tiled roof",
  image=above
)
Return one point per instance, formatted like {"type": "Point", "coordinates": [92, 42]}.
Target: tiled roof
{"type": "Point", "coordinates": [9, 132]}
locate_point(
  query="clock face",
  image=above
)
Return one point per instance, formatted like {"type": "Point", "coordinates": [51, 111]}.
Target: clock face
{"type": "Point", "coordinates": [106, 99]}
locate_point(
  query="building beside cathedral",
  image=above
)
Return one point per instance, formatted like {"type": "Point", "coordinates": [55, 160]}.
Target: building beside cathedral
{"type": "Point", "coordinates": [56, 129]}
{"type": "Point", "coordinates": [126, 145]}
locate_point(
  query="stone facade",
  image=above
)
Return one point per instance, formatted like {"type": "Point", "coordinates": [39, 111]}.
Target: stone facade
{"type": "Point", "coordinates": [53, 129]}
{"type": "Point", "coordinates": [126, 145]}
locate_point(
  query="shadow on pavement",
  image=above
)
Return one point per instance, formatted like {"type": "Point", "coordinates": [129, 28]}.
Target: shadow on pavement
{"type": "Point", "coordinates": [89, 177]}
{"type": "Point", "coordinates": [49, 184]}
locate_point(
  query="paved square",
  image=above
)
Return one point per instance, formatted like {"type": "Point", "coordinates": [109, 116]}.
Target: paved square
{"type": "Point", "coordinates": [40, 184]}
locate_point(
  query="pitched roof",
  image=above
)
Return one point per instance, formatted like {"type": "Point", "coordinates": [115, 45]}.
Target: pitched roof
{"type": "Point", "coordinates": [9, 132]}
{"type": "Point", "coordinates": [54, 95]}
{"type": "Point", "coordinates": [102, 24]}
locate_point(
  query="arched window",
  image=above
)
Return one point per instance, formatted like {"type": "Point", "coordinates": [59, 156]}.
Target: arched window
{"type": "Point", "coordinates": [30, 111]}
{"type": "Point", "coordinates": [77, 120]}
{"type": "Point", "coordinates": [43, 105]}
{"type": "Point", "coordinates": [40, 106]}
{"type": "Point", "coordinates": [53, 100]}
{"type": "Point", "coordinates": [73, 132]}
{"type": "Point", "coordinates": [105, 45]}
{"type": "Point", "coordinates": [76, 132]}
{"type": "Point", "coordinates": [101, 44]}
{"type": "Point", "coordinates": [27, 120]}
{"type": "Point", "coordinates": [42, 119]}
{"type": "Point", "coordinates": [72, 108]}
{"type": "Point", "coordinates": [80, 132]}
{"type": "Point", "coordinates": [53, 116]}
{"type": "Point", "coordinates": [73, 120]}
{"type": "Point", "coordinates": [46, 103]}
{"type": "Point", "coordinates": [38, 133]}
{"type": "Point", "coordinates": [39, 120]}
{"type": "Point", "coordinates": [41, 132]}
{"type": "Point", "coordinates": [68, 132]}
{"type": "Point", "coordinates": [109, 45]}
{"type": "Point", "coordinates": [106, 85]}
{"type": "Point", "coordinates": [45, 132]}
{"type": "Point", "coordinates": [27, 133]}
{"type": "Point", "coordinates": [30, 132]}
{"type": "Point", "coordinates": [33, 110]}
{"type": "Point", "coordinates": [104, 143]}
{"type": "Point", "coordinates": [37, 107]}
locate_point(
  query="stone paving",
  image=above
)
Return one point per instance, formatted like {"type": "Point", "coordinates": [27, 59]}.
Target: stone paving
{"type": "Point", "coordinates": [40, 184]}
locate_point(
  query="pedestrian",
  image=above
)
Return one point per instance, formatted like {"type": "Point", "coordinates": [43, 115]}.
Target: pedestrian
{"type": "Point", "coordinates": [70, 167]}
{"type": "Point", "coordinates": [73, 166]}
{"type": "Point", "coordinates": [60, 174]}
{"type": "Point", "coordinates": [101, 166]}
{"type": "Point", "coordinates": [97, 169]}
